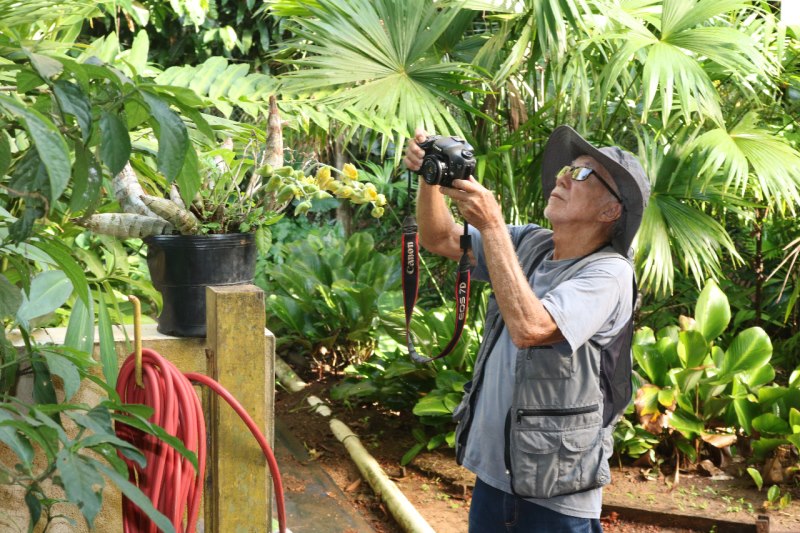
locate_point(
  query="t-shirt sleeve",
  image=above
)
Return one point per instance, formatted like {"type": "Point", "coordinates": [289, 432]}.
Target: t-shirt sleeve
{"type": "Point", "coordinates": [480, 272]}
{"type": "Point", "coordinates": [597, 301]}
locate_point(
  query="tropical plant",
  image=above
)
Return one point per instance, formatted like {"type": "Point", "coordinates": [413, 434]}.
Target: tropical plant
{"type": "Point", "coordinates": [326, 294]}
{"type": "Point", "coordinates": [695, 389]}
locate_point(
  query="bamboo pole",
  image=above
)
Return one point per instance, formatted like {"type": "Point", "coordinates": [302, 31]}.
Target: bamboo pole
{"type": "Point", "coordinates": [404, 513]}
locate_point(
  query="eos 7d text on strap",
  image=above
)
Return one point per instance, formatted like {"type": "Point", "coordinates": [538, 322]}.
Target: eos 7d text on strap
{"type": "Point", "coordinates": [446, 159]}
{"type": "Point", "coordinates": [411, 287]}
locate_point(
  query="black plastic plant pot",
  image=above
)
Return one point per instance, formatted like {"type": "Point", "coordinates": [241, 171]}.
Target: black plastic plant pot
{"type": "Point", "coordinates": [182, 266]}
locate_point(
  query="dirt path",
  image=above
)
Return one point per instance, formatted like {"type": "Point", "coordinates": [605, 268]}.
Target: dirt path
{"type": "Point", "coordinates": [441, 490]}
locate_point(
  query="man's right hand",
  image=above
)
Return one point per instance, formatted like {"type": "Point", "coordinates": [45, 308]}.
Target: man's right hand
{"type": "Point", "coordinates": [414, 154]}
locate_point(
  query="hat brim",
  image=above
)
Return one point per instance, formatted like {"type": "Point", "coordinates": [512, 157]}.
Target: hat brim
{"type": "Point", "coordinates": [564, 146]}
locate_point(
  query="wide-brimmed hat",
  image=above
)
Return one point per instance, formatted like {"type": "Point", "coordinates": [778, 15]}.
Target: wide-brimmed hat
{"type": "Point", "coordinates": [565, 145]}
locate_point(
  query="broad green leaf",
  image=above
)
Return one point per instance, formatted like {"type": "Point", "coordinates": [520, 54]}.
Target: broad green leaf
{"type": "Point", "coordinates": [450, 381]}
{"type": "Point", "coordinates": [358, 249]}
{"type": "Point", "coordinates": [687, 423]}
{"type": "Point", "coordinates": [688, 378]}
{"type": "Point", "coordinates": [756, 475]}
{"type": "Point", "coordinates": [115, 142]}
{"type": "Point", "coordinates": [643, 336]}
{"type": "Point", "coordinates": [50, 144]}
{"type": "Point", "coordinates": [137, 55]}
{"type": "Point", "coordinates": [763, 447]}
{"type": "Point", "coordinates": [432, 404]}
{"type": "Point", "coordinates": [647, 400]}
{"type": "Point", "coordinates": [80, 329]}
{"type": "Point", "coordinates": [63, 257]}
{"type": "Point", "coordinates": [108, 352]}
{"type": "Point", "coordinates": [173, 139]}
{"type": "Point", "coordinates": [749, 350]}
{"type": "Point", "coordinates": [34, 507]}
{"type": "Point", "coordinates": [87, 179]}
{"type": "Point", "coordinates": [746, 411]}
{"type": "Point", "coordinates": [189, 181]}
{"type": "Point", "coordinates": [79, 479]}
{"type": "Point", "coordinates": [651, 362]}
{"type": "Point", "coordinates": [49, 290]}
{"type": "Point", "coordinates": [794, 419]}
{"type": "Point", "coordinates": [10, 297]}
{"type": "Point", "coordinates": [45, 66]}
{"type": "Point", "coordinates": [769, 423]}
{"type": "Point", "coordinates": [712, 312]}
{"type": "Point", "coordinates": [412, 453]}
{"type": "Point", "coordinates": [401, 367]}
{"type": "Point", "coordinates": [66, 370]}
{"type": "Point", "coordinates": [74, 102]}
{"type": "Point", "coordinates": [15, 441]}
{"type": "Point", "coordinates": [666, 397]}
{"type": "Point", "coordinates": [760, 376]}
{"type": "Point", "coordinates": [124, 447]}
{"type": "Point", "coordinates": [692, 348]}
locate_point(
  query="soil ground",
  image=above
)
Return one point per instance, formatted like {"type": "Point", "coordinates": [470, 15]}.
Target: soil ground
{"type": "Point", "coordinates": [440, 490]}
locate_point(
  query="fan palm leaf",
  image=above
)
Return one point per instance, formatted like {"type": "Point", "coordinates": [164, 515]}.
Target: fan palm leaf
{"type": "Point", "coordinates": [532, 23]}
{"type": "Point", "coordinates": [380, 58]}
{"type": "Point", "coordinates": [673, 48]}
{"type": "Point", "coordinates": [752, 156]}
{"type": "Point", "coordinates": [678, 226]}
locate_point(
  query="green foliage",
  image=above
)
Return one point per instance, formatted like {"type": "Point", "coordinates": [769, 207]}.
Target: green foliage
{"type": "Point", "coordinates": [698, 385]}
{"type": "Point", "coordinates": [329, 292]}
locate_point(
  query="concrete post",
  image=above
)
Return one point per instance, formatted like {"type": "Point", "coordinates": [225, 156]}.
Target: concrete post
{"type": "Point", "coordinates": [241, 358]}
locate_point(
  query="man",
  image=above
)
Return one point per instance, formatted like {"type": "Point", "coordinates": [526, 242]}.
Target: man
{"type": "Point", "coordinates": [536, 421]}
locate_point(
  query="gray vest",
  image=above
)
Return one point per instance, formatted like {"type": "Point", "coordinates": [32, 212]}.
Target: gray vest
{"type": "Point", "coordinates": [556, 440]}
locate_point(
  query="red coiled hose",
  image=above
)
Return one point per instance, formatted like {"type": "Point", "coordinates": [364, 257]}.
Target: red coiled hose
{"type": "Point", "coordinates": [168, 479]}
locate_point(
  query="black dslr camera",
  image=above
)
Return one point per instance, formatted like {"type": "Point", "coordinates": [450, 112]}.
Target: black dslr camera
{"type": "Point", "coordinates": [446, 159]}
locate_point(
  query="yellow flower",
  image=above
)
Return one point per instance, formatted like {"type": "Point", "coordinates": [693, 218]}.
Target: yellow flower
{"type": "Point", "coordinates": [381, 200]}
{"type": "Point", "coordinates": [350, 172]}
{"type": "Point", "coordinates": [377, 212]}
{"type": "Point", "coordinates": [370, 192]}
{"type": "Point", "coordinates": [324, 178]}
{"type": "Point", "coordinates": [345, 192]}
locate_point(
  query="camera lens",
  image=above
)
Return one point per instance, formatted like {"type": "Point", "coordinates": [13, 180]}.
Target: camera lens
{"type": "Point", "coordinates": [431, 170]}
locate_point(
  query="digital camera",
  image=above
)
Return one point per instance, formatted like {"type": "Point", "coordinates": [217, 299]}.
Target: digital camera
{"type": "Point", "coordinates": [446, 159]}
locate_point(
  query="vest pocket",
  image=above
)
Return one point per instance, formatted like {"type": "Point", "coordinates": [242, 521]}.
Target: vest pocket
{"type": "Point", "coordinates": [547, 463]}
{"type": "Point", "coordinates": [544, 362]}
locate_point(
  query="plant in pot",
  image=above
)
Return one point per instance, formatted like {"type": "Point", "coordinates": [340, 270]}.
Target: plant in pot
{"type": "Point", "coordinates": [214, 238]}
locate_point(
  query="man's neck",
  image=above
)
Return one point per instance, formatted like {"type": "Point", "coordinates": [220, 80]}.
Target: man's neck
{"type": "Point", "coordinates": [572, 242]}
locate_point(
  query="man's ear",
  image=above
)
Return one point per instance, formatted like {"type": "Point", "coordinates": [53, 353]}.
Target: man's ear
{"type": "Point", "coordinates": [611, 213]}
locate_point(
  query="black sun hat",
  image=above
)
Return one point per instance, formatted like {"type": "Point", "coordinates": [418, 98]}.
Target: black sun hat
{"type": "Point", "coordinates": [565, 145]}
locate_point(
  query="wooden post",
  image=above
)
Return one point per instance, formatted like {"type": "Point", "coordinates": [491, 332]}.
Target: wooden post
{"type": "Point", "coordinates": [241, 357]}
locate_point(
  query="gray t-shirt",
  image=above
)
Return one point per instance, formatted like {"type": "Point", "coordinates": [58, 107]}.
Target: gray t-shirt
{"type": "Point", "coordinates": [593, 304]}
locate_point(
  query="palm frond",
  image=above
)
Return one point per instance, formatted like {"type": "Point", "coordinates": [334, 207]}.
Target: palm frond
{"type": "Point", "coordinates": [750, 156]}
{"type": "Point", "coordinates": [675, 50]}
{"type": "Point", "coordinates": [373, 57]}
{"type": "Point", "coordinates": [38, 18]}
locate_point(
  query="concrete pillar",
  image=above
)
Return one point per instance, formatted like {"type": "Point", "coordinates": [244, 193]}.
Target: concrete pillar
{"type": "Point", "coordinates": [241, 358]}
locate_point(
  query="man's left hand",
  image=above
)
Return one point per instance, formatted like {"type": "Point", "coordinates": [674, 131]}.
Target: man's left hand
{"type": "Point", "coordinates": [476, 204]}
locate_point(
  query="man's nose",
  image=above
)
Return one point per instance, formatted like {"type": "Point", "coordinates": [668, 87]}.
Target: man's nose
{"type": "Point", "coordinates": [564, 180]}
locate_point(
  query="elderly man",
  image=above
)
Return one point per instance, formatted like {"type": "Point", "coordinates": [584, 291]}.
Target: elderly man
{"type": "Point", "coordinates": [536, 421]}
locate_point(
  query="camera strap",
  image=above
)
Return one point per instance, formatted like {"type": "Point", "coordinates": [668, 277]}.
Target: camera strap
{"type": "Point", "coordinates": [410, 243]}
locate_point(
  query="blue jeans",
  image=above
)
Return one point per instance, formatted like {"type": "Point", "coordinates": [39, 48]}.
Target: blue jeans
{"type": "Point", "coordinates": [494, 511]}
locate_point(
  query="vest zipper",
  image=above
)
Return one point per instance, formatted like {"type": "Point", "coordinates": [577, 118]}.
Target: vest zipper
{"type": "Point", "coordinates": [566, 411]}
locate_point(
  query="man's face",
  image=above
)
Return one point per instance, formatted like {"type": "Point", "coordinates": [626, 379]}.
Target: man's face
{"type": "Point", "coordinates": [581, 201]}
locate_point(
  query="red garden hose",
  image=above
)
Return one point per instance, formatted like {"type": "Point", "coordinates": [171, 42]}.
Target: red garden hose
{"type": "Point", "coordinates": [168, 479]}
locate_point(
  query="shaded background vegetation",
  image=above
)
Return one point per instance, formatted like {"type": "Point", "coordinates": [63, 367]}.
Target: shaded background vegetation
{"type": "Point", "coordinates": [707, 93]}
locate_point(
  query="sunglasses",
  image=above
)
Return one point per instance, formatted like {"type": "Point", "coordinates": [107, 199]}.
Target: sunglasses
{"type": "Point", "coordinates": [582, 174]}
